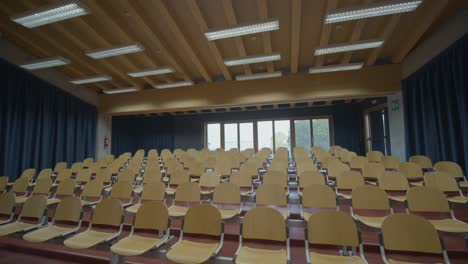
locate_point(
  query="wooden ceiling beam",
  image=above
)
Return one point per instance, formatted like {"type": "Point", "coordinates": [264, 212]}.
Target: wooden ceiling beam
{"type": "Point", "coordinates": [232, 21]}
{"type": "Point", "coordinates": [198, 17]}
{"type": "Point", "coordinates": [266, 36]}
{"type": "Point", "coordinates": [179, 36]}
{"type": "Point", "coordinates": [296, 16]}
{"type": "Point", "coordinates": [326, 30]}
{"type": "Point", "coordinates": [433, 10]}
{"type": "Point", "coordinates": [355, 36]}
{"type": "Point", "coordinates": [387, 32]}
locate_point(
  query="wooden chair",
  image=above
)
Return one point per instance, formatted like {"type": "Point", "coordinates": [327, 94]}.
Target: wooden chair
{"type": "Point", "coordinates": [273, 195]}
{"type": "Point", "coordinates": [423, 161]}
{"type": "Point", "coordinates": [347, 181]}
{"type": "Point", "coordinates": [374, 156]}
{"type": "Point", "coordinates": [227, 198]}
{"type": "Point", "coordinates": [445, 182]}
{"type": "Point", "coordinates": [7, 207]}
{"type": "Point", "coordinates": [392, 182]}
{"type": "Point", "coordinates": [35, 208]}
{"type": "Point", "coordinates": [41, 187]}
{"type": "Point", "coordinates": [187, 195]}
{"type": "Point", "coordinates": [92, 193]}
{"type": "Point", "coordinates": [154, 191]}
{"type": "Point", "coordinates": [370, 198]}
{"type": "Point", "coordinates": [317, 196]}
{"type": "Point", "coordinates": [64, 188]}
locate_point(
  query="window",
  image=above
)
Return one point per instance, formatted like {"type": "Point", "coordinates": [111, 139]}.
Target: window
{"type": "Point", "coordinates": [321, 131]}
{"type": "Point", "coordinates": [282, 134]}
{"type": "Point", "coordinates": [302, 134]}
{"type": "Point", "coordinates": [246, 136]}
{"type": "Point", "coordinates": [213, 136]}
{"type": "Point", "coordinates": [265, 134]}
{"type": "Point", "coordinates": [230, 136]}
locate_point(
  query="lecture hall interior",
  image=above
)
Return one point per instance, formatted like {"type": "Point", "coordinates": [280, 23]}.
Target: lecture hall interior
{"type": "Point", "coordinates": [234, 131]}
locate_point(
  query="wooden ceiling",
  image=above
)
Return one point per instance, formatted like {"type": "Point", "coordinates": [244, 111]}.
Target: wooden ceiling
{"type": "Point", "coordinates": [172, 33]}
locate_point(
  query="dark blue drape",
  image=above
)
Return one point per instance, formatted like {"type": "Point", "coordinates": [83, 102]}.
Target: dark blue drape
{"type": "Point", "coordinates": [436, 106]}
{"type": "Point", "coordinates": [40, 124]}
{"type": "Point", "coordinates": [347, 127]}
{"type": "Point", "coordinates": [130, 133]}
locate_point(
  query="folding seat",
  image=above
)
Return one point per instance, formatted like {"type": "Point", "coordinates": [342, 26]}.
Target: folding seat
{"type": "Point", "coordinates": [426, 199]}
{"type": "Point", "coordinates": [390, 162]}
{"type": "Point", "coordinates": [20, 187]}
{"type": "Point", "coordinates": [413, 172]}
{"type": "Point", "coordinates": [108, 212]}
{"type": "Point", "coordinates": [200, 220]}
{"type": "Point", "coordinates": [276, 177]}
{"type": "Point", "coordinates": [26, 174]}
{"type": "Point", "coordinates": [333, 228]}
{"type": "Point", "coordinates": [348, 181]}
{"type": "Point", "coordinates": [83, 176]}
{"type": "Point", "coordinates": [453, 169]}
{"type": "Point", "coordinates": [92, 193]}
{"type": "Point", "coordinates": [104, 176]}
{"type": "Point", "coordinates": [68, 210]}
{"type": "Point", "coordinates": [409, 233]}
{"type": "Point", "coordinates": [187, 194]}
{"type": "Point", "coordinates": [151, 174]}
{"type": "Point", "coordinates": [153, 191]}
{"type": "Point", "coordinates": [3, 183]}
{"type": "Point", "coordinates": [196, 169]}
{"type": "Point", "coordinates": [243, 179]}
{"type": "Point", "coordinates": [87, 162]}
{"type": "Point", "coordinates": [35, 208]}
{"type": "Point", "coordinates": [64, 188]}
{"type": "Point", "coordinates": [317, 196]}
{"type": "Point", "coordinates": [273, 195]}
{"type": "Point", "coordinates": [310, 166]}
{"type": "Point", "coordinates": [370, 198]}
{"type": "Point", "coordinates": [208, 181]}
{"type": "Point", "coordinates": [374, 156]}
{"type": "Point", "coordinates": [335, 169]}
{"type": "Point", "coordinates": [262, 224]}
{"type": "Point", "coordinates": [423, 161]}
{"type": "Point", "coordinates": [372, 171]}
{"type": "Point", "coordinates": [251, 168]}
{"type": "Point", "coordinates": [177, 178]}
{"type": "Point", "coordinates": [394, 184]}
{"type": "Point", "coordinates": [358, 162]}
{"type": "Point", "coordinates": [222, 168]}
{"type": "Point", "coordinates": [126, 175]}
{"type": "Point", "coordinates": [61, 176]}
{"type": "Point", "coordinates": [347, 158]}
{"type": "Point", "coordinates": [322, 156]}
{"type": "Point", "coordinates": [310, 177]}
{"type": "Point", "coordinates": [76, 167]}
{"type": "Point", "coordinates": [123, 191]}
{"type": "Point", "coordinates": [445, 182]}
{"type": "Point", "coordinates": [59, 167]}
{"type": "Point", "coordinates": [43, 174]}
{"type": "Point", "coordinates": [151, 216]}
{"type": "Point", "coordinates": [327, 162]}
{"type": "Point", "coordinates": [227, 198]}
{"type": "Point", "coordinates": [42, 187]}
{"type": "Point", "coordinates": [165, 154]}
{"type": "Point", "coordinates": [7, 207]}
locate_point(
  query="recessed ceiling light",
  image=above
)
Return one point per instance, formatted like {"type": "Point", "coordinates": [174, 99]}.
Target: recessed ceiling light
{"type": "Point", "coordinates": [156, 71]}
{"type": "Point", "coordinates": [50, 14]}
{"type": "Point", "coordinates": [45, 63]}
{"type": "Point", "coordinates": [253, 59]}
{"type": "Point", "coordinates": [100, 78]}
{"type": "Point", "coordinates": [350, 46]}
{"type": "Point", "coordinates": [334, 68]}
{"type": "Point", "coordinates": [372, 10]}
{"type": "Point", "coordinates": [244, 29]}
{"type": "Point", "coordinates": [104, 53]}
{"type": "Point", "coordinates": [258, 76]}
{"type": "Point", "coordinates": [172, 85]}
{"type": "Point", "coordinates": [121, 90]}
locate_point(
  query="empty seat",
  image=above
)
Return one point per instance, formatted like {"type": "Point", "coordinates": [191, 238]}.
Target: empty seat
{"type": "Point", "coordinates": [347, 181]}
{"type": "Point", "coordinates": [43, 174]}
{"type": "Point", "coordinates": [390, 162]}
{"type": "Point", "coordinates": [423, 161]}
{"type": "Point", "coordinates": [244, 180]}
{"type": "Point", "coordinates": [199, 220]}
{"type": "Point", "coordinates": [20, 187]}
{"type": "Point", "coordinates": [123, 190]}
{"type": "Point", "coordinates": [61, 176]}
{"type": "Point", "coordinates": [409, 233]}
{"type": "Point", "coordinates": [368, 197]}
{"type": "Point", "coordinates": [76, 167]}
{"type": "Point", "coordinates": [177, 178]}
{"type": "Point", "coordinates": [263, 224]}
{"type": "Point", "coordinates": [227, 198]}
{"type": "Point", "coordinates": [208, 180]}
{"type": "Point", "coordinates": [92, 193]}
{"type": "Point", "coordinates": [3, 183]}
{"type": "Point", "coordinates": [412, 171]}
{"type": "Point", "coordinates": [64, 188]}
{"type": "Point", "coordinates": [187, 195]}
{"type": "Point", "coordinates": [42, 187]}
{"type": "Point", "coordinates": [358, 162]}
{"type": "Point", "coordinates": [150, 216]}
{"type": "Point", "coordinates": [108, 212]}
{"type": "Point", "coordinates": [7, 207]}
{"type": "Point", "coordinates": [276, 177]}
{"type": "Point", "coordinates": [35, 209]}
{"type": "Point", "coordinates": [374, 156]}
{"type": "Point", "coordinates": [59, 167]}
{"type": "Point", "coordinates": [333, 228]}
{"type": "Point", "coordinates": [453, 169]}
{"type": "Point", "coordinates": [317, 196]}
{"type": "Point", "coordinates": [444, 182]}
{"type": "Point", "coordinates": [273, 195]}
{"type": "Point", "coordinates": [373, 171]}
{"type": "Point", "coordinates": [69, 210]}
{"type": "Point", "coordinates": [154, 191]}
{"type": "Point", "coordinates": [335, 169]}
{"type": "Point", "coordinates": [83, 176]}
{"type": "Point", "coordinates": [394, 183]}
{"type": "Point", "coordinates": [308, 178]}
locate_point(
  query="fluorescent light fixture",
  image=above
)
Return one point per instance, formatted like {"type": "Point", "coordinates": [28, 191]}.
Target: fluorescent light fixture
{"type": "Point", "coordinates": [172, 85]}
{"type": "Point", "coordinates": [121, 90]}
{"type": "Point", "coordinates": [258, 76]}
{"type": "Point", "coordinates": [253, 59]}
{"type": "Point", "coordinates": [104, 53]}
{"type": "Point", "coordinates": [94, 79]}
{"type": "Point", "coordinates": [50, 14]}
{"type": "Point", "coordinates": [45, 63]}
{"type": "Point", "coordinates": [156, 71]}
{"type": "Point", "coordinates": [372, 10]}
{"type": "Point", "coordinates": [335, 68]}
{"type": "Point", "coordinates": [244, 29]}
{"type": "Point", "coordinates": [350, 46]}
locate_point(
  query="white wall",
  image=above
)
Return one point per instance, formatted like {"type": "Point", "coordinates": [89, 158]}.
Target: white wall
{"type": "Point", "coordinates": [397, 126]}
{"type": "Point", "coordinates": [104, 129]}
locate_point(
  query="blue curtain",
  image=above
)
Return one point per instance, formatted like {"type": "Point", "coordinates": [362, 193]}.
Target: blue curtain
{"type": "Point", "coordinates": [347, 127]}
{"type": "Point", "coordinates": [436, 106]}
{"type": "Point", "coordinates": [40, 124]}
{"type": "Point", "coordinates": [130, 133]}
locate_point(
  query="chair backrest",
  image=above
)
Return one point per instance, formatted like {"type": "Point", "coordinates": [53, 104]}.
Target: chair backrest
{"type": "Point", "coordinates": [92, 189]}
{"type": "Point", "coordinates": [336, 168]}
{"type": "Point", "coordinates": [43, 186]}
{"type": "Point", "coordinates": [311, 177]}
{"type": "Point", "coordinates": [60, 166]}
{"type": "Point", "coordinates": [21, 185]}
{"type": "Point", "coordinates": [427, 199]}
{"type": "Point", "coordinates": [451, 167]}
{"type": "Point", "coordinates": [153, 191]}
{"type": "Point", "coordinates": [84, 175]}
{"type": "Point", "coordinates": [374, 156]}
{"type": "Point", "coordinates": [127, 175]}
{"type": "Point", "coordinates": [409, 232]}
{"type": "Point", "coordinates": [121, 190]}
{"type": "Point", "coordinates": [271, 194]}
{"type": "Point", "coordinates": [45, 173]}
{"type": "Point", "coordinates": [318, 196]}
{"type": "Point", "coordinates": [264, 223]}
{"type": "Point", "coordinates": [393, 181]}
{"type": "Point", "coordinates": [227, 193]}
{"type": "Point", "coordinates": [203, 219]}
{"type": "Point", "coordinates": [77, 166]}
{"type": "Point", "coordinates": [34, 207]}
{"type": "Point", "coordinates": [332, 228]}
{"type": "Point", "coordinates": [28, 173]}
{"type": "Point", "coordinates": [370, 197]}
{"type": "Point", "coordinates": [209, 179]}
{"type": "Point", "coordinates": [3, 183]}
{"type": "Point", "coordinates": [441, 180]}
{"type": "Point", "coordinates": [68, 209]}
{"type": "Point", "coordinates": [152, 215]}
{"type": "Point", "coordinates": [373, 170]}
{"type": "Point", "coordinates": [410, 170]}
{"type": "Point", "coordinates": [358, 162]}
{"type": "Point", "coordinates": [423, 161]}
{"type": "Point", "coordinates": [7, 203]}
{"type": "Point", "coordinates": [241, 178]}
{"type": "Point", "coordinates": [63, 175]}
{"type": "Point", "coordinates": [390, 162]}
{"type": "Point", "coordinates": [349, 180]}
{"type": "Point", "coordinates": [179, 176]}
{"type": "Point", "coordinates": [104, 175]}
{"type": "Point", "coordinates": [276, 177]}
{"type": "Point", "coordinates": [66, 187]}
{"type": "Point", "coordinates": [108, 212]}
{"type": "Point", "coordinates": [187, 192]}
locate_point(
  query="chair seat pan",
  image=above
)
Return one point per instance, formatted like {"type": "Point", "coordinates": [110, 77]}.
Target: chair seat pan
{"type": "Point", "coordinates": [165, 179]}
{"type": "Point", "coordinates": [170, 190]}
{"type": "Point", "coordinates": [133, 209]}
{"type": "Point", "coordinates": [46, 233]}
{"type": "Point", "coordinates": [346, 196]}
{"type": "Point", "coordinates": [246, 193]}
{"type": "Point", "coordinates": [138, 189]}
{"type": "Point", "coordinates": [14, 227]}
{"type": "Point", "coordinates": [191, 252]}
{"type": "Point", "coordinates": [108, 189]}
{"type": "Point", "coordinates": [330, 259]}
{"type": "Point", "coordinates": [450, 225]}
{"type": "Point", "coordinates": [256, 255]}
{"type": "Point", "coordinates": [87, 239]}
{"type": "Point", "coordinates": [372, 221]}
{"type": "Point", "coordinates": [417, 183]}
{"type": "Point", "coordinates": [371, 182]}
{"type": "Point", "coordinates": [458, 199]}
{"type": "Point", "coordinates": [392, 261]}
{"type": "Point", "coordinates": [135, 245]}
{"type": "Point", "coordinates": [176, 211]}
{"type": "Point", "coordinates": [139, 178]}
{"type": "Point", "coordinates": [463, 184]}
{"type": "Point", "coordinates": [398, 198]}
{"type": "Point", "coordinates": [228, 213]}
{"type": "Point", "coordinates": [206, 192]}
{"type": "Point", "coordinates": [21, 200]}
{"type": "Point", "coordinates": [53, 201]}
{"type": "Point", "coordinates": [86, 203]}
